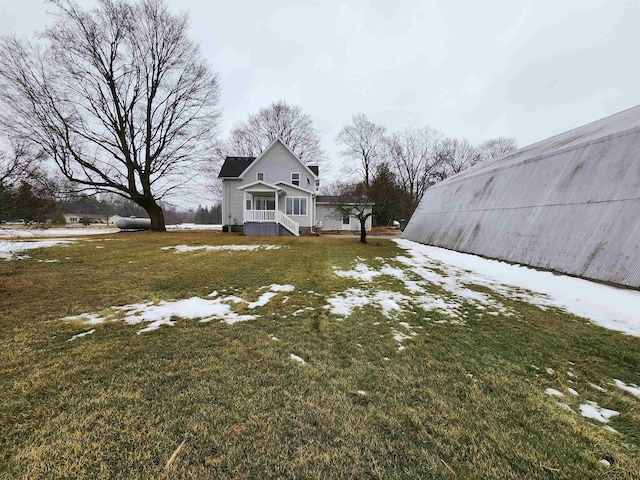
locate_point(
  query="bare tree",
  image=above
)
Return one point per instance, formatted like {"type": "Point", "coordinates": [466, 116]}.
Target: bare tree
{"type": "Point", "coordinates": [18, 161]}
{"type": "Point", "coordinates": [495, 147]}
{"type": "Point", "coordinates": [413, 153]}
{"type": "Point", "coordinates": [278, 120]}
{"type": "Point", "coordinates": [118, 96]}
{"type": "Point", "coordinates": [363, 143]}
{"type": "Point", "coordinates": [355, 207]}
{"type": "Point", "coordinates": [455, 156]}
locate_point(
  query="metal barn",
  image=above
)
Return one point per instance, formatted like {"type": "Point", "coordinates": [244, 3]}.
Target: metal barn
{"type": "Point", "coordinates": [570, 204]}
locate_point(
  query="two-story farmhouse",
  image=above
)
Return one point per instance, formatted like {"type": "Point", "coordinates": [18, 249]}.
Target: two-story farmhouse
{"type": "Point", "coordinates": [275, 194]}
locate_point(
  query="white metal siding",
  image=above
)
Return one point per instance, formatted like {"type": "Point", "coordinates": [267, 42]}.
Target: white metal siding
{"type": "Point", "coordinates": [569, 204]}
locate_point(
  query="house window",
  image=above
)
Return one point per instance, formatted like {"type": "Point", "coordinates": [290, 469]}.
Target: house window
{"type": "Point", "coordinates": [295, 179]}
{"type": "Point", "coordinates": [261, 176]}
{"type": "Point", "coordinates": [296, 206]}
{"type": "Point", "coordinates": [346, 221]}
{"type": "Point", "coordinates": [248, 204]}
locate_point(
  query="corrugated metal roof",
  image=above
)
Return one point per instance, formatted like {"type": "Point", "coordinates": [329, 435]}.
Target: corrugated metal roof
{"type": "Point", "coordinates": [569, 204]}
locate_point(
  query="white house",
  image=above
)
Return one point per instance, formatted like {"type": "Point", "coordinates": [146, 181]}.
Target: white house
{"type": "Point", "coordinates": [274, 194]}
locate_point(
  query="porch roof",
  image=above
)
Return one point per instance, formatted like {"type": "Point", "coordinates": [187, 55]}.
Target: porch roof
{"type": "Point", "coordinates": [297, 187]}
{"type": "Point", "coordinates": [260, 186]}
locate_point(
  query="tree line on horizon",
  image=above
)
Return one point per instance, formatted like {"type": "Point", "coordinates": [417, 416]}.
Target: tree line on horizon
{"type": "Point", "coordinates": [40, 200]}
{"type": "Point", "coordinates": [394, 168]}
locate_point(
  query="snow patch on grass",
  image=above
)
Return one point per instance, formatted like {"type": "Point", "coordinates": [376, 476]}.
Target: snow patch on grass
{"type": "Point", "coordinates": [10, 250]}
{"type": "Point", "coordinates": [632, 389]}
{"type": "Point", "coordinates": [553, 392]}
{"type": "Point", "coordinates": [594, 411]}
{"type": "Point", "coordinates": [296, 358]}
{"type": "Point", "coordinates": [262, 301]}
{"type": "Point", "coordinates": [607, 306]}
{"type": "Point", "coordinates": [53, 232]}
{"type": "Point", "coordinates": [80, 335]}
{"type": "Point", "coordinates": [417, 273]}
{"type": "Point", "coordinates": [165, 312]}
{"type": "Point", "coordinates": [345, 302]}
{"type": "Point", "coordinates": [233, 248]}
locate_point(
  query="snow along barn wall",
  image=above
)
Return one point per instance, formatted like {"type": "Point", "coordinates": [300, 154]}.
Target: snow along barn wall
{"type": "Point", "coordinates": [570, 204]}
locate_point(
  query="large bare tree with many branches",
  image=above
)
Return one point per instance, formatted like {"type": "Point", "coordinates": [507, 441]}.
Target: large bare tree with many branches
{"type": "Point", "coordinates": [118, 96]}
{"type": "Point", "coordinates": [412, 153]}
{"type": "Point", "coordinates": [363, 142]}
{"type": "Point", "coordinates": [278, 120]}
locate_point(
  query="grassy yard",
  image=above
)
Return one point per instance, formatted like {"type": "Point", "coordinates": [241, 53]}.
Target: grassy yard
{"type": "Point", "coordinates": [443, 399]}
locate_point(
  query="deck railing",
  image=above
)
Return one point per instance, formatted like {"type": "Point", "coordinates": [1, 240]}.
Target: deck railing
{"type": "Point", "coordinates": [260, 215]}
{"type": "Point", "coordinates": [288, 223]}
{"type": "Point", "coordinates": [272, 216]}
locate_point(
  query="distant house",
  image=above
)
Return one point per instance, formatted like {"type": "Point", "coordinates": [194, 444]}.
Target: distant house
{"type": "Point", "coordinates": [71, 218]}
{"type": "Point", "coordinates": [89, 218]}
{"type": "Point", "coordinates": [273, 194]}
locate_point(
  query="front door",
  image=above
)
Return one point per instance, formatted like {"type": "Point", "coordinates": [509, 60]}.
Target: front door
{"type": "Point", "coordinates": [264, 203]}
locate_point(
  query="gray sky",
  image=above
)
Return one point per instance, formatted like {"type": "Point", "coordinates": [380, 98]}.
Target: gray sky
{"type": "Point", "coordinates": [526, 69]}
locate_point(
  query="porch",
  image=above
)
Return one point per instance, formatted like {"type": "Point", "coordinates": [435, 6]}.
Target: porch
{"type": "Point", "coordinates": [275, 217]}
{"type": "Point", "coordinates": [261, 214]}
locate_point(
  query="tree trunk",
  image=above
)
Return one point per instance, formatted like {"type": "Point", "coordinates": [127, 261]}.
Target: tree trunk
{"type": "Point", "coordinates": [156, 215]}
{"type": "Point", "coordinates": [363, 231]}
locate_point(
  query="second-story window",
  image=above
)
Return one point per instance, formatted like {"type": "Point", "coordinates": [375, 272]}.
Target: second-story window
{"type": "Point", "coordinates": [261, 176]}
{"type": "Point", "coordinates": [295, 179]}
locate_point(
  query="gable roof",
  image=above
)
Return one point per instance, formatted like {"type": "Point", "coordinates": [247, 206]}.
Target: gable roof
{"type": "Point", "coordinates": [279, 140]}
{"type": "Point", "coordinates": [344, 199]}
{"type": "Point", "coordinates": [260, 183]}
{"type": "Point", "coordinates": [234, 166]}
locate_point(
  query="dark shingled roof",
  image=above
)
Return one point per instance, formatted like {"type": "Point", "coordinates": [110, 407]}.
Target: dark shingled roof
{"type": "Point", "coordinates": [343, 199]}
{"type": "Point", "coordinates": [234, 166]}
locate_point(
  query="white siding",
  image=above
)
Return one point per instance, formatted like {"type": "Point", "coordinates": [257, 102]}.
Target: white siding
{"type": "Point", "coordinates": [304, 220]}
{"type": "Point", "coordinates": [278, 164]}
{"type": "Point", "coordinates": [333, 221]}
{"type": "Point", "coordinates": [232, 202]}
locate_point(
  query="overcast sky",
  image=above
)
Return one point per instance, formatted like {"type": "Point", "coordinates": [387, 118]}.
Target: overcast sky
{"type": "Point", "coordinates": [525, 69]}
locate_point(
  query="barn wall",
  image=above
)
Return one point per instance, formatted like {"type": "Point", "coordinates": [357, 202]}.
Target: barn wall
{"type": "Point", "coordinates": [559, 205]}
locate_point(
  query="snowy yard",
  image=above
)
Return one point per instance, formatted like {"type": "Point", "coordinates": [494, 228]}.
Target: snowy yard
{"type": "Point", "coordinates": [393, 347]}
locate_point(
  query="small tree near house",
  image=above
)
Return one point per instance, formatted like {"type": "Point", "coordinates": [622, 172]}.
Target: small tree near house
{"type": "Point", "coordinates": [354, 207]}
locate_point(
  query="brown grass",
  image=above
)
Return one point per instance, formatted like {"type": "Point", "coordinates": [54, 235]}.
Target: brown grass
{"type": "Point", "coordinates": [460, 400]}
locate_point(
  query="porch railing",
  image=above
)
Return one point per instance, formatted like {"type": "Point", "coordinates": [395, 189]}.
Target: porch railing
{"type": "Point", "coordinates": [260, 215]}
{"type": "Point", "coordinates": [288, 223]}
{"type": "Point", "coordinates": [272, 216]}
